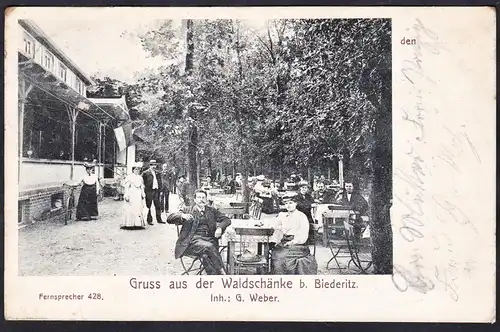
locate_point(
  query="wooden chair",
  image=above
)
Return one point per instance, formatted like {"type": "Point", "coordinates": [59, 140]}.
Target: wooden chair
{"type": "Point", "coordinates": [255, 210]}
{"type": "Point", "coordinates": [336, 239]}
{"type": "Point", "coordinates": [192, 264]}
{"type": "Point", "coordinates": [359, 248]}
{"type": "Point", "coordinates": [245, 205]}
{"type": "Point", "coordinates": [233, 212]}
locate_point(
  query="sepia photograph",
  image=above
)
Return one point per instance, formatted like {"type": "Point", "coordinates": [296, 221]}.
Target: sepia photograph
{"type": "Point", "coordinates": [179, 147]}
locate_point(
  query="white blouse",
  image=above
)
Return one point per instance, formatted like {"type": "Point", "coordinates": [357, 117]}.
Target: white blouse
{"type": "Point", "coordinates": [295, 223]}
{"type": "Point", "coordinates": [90, 179]}
{"type": "Point", "coordinates": [134, 180]}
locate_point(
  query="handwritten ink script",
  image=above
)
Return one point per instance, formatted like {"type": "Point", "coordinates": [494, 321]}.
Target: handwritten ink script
{"type": "Point", "coordinates": [418, 180]}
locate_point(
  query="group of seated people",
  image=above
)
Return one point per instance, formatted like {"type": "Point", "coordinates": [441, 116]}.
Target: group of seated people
{"type": "Point", "coordinates": [203, 226]}
{"type": "Point", "coordinates": [346, 197]}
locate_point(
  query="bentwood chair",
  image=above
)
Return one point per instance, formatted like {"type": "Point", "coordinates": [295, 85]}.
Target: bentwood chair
{"type": "Point", "coordinates": [255, 210]}
{"type": "Point", "coordinates": [359, 247]}
{"type": "Point", "coordinates": [192, 264]}
{"type": "Point", "coordinates": [336, 239]}
{"type": "Point", "coordinates": [233, 212]}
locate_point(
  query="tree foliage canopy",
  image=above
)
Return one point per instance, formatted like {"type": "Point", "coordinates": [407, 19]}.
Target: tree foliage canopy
{"type": "Point", "coordinates": [292, 95]}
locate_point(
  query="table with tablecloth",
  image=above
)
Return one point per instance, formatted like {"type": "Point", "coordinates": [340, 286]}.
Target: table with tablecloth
{"type": "Point", "coordinates": [230, 238]}
{"type": "Point", "coordinates": [223, 200]}
{"type": "Point", "coordinates": [332, 213]}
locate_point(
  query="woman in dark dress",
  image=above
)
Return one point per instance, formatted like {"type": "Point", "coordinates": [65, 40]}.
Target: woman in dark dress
{"type": "Point", "coordinates": [304, 204]}
{"type": "Point", "coordinates": [305, 201]}
{"type": "Point", "coordinates": [87, 202]}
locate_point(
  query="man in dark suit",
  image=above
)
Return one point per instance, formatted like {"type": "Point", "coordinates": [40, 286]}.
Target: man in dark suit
{"type": "Point", "coordinates": [231, 185]}
{"type": "Point", "coordinates": [354, 200]}
{"type": "Point", "coordinates": [357, 203]}
{"type": "Point", "coordinates": [152, 187]}
{"type": "Point", "coordinates": [322, 195]}
{"type": "Point", "coordinates": [202, 226]}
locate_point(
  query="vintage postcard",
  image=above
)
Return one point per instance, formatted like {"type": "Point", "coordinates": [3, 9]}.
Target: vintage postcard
{"type": "Point", "coordinates": [264, 164]}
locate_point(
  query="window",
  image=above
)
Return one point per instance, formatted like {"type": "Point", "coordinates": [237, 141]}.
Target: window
{"type": "Point", "coordinates": [48, 60]}
{"type": "Point", "coordinates": [63, 72]}
{"type": "Point", "coordinates": [28, 45]}
{"type": "Point", "coordinates": [79, 85]}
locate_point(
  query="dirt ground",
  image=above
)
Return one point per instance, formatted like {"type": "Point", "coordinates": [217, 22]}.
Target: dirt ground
{"type": "Point", "coordinates": [101, 248]}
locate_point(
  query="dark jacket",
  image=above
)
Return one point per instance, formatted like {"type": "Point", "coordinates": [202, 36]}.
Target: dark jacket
{"type": "Point", "coordinates": [324, 197]}
{"type": "Point", "coordinates": [167, 180]}
{"type": "Point", "coordinates": [357, 203]}
{"type": "Point", "coordinates": [147, 176]}
{"type": "Point", "coordinates": [304, 205]}
{"type": "Point", "coordinates": [232, 187]}
{"type": "Point", "coordinates": [213, 218]}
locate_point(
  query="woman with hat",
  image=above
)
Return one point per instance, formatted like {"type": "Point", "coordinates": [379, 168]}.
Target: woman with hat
{"type": "Point", "coordinates": [87, 202]}
{"type": "Point", "coordinates": [292, 254]}
{"type": "Point", "coordinates": [134, 195]}
{"type": "Point", "coordinates": [305, 200]}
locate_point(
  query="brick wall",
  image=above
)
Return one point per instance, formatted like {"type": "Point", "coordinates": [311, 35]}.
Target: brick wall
{"type": "Point", "coordinates": [37, 202]}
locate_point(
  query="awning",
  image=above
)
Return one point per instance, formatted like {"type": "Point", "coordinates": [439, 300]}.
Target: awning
{"type": "Point", "coordinates": [115, 106]}
{"type": "Point", "coordinates": [46, 81]}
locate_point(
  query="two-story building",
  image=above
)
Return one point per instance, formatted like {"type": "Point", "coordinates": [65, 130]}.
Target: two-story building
{"type": "Point", "coordinates": [59, 127]}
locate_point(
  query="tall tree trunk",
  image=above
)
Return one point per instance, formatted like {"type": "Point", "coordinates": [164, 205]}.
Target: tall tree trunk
{"type": "Point", "coordinates": [198, 170]}
{"type": "Point", "coordinates": [209, 167]}
{"type": "Point", "coordinates": [382, 186]}
{"type": "Point", "coordinates": [309, 177]}
{"type": "Point", "coordinates": [193, 132]}
{"type": "Point", "coordinates": [192, 159]}
{"type": "Point", "coordinates": [221, 170]}
{"type": "Point", "coordinates": [241, 130]}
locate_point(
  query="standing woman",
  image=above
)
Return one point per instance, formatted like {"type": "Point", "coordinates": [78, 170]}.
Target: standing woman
{"type": "Point", "coordinates": [87, 202]}
{"type": "Point", "coordinates": [134, 195]}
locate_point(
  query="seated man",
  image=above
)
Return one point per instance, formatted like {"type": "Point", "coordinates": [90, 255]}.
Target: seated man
{"type": "Point", "coordinates": [202, 226]}
{"type": "Point", "coordinates": [323, 196]}
{"type": "Point", "coordinates": [231, 185]}
{"type": "Point", "coordinates": [356, 202]}
{"type": "Point", "coordinates": [292, 255]}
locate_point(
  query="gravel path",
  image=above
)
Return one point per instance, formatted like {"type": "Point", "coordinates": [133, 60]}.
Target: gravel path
{"type": "Point", "coordinates": [101, 248]}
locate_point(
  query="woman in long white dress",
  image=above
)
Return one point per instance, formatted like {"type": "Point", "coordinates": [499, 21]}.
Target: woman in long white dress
{"type": "Point", "coordinates": [134, 195]}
